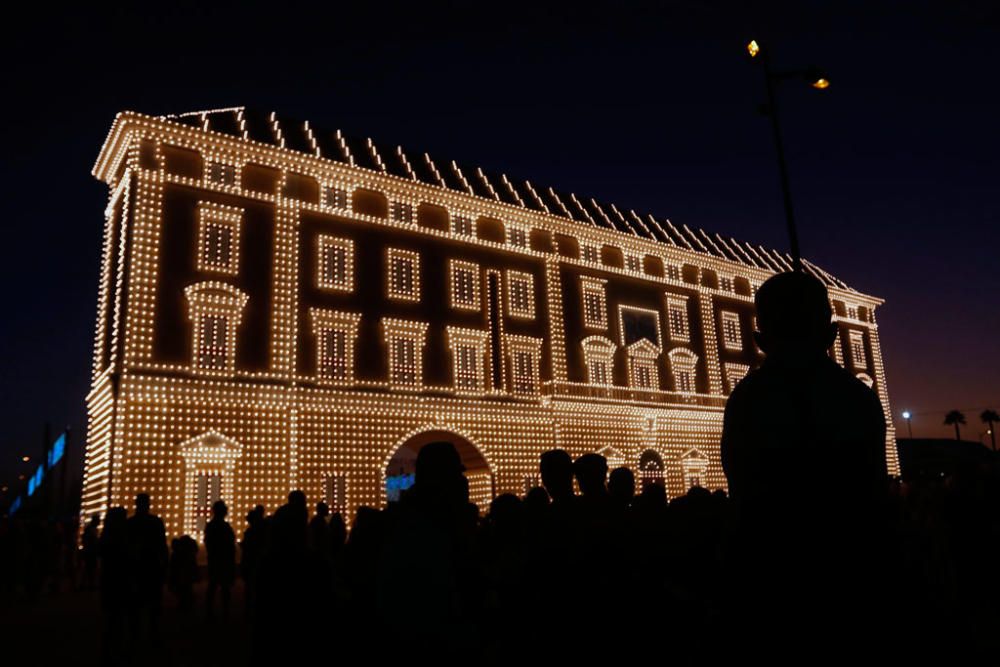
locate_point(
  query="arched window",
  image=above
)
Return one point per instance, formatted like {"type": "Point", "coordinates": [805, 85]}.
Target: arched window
{"type": "Point", "coordinates": [683, 365]}
{"type": "Point", "coordinates": [867, 379]}
{"type": "Point", "coordinates": [598, 355]}
{"type": "Point", "coordinates": [209, 463]}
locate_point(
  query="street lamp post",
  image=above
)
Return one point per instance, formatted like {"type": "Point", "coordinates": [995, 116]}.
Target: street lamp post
{"type": "Point", "coordinates": [908, 416]}
{"type": "Point", "coordinates": [816, 80]}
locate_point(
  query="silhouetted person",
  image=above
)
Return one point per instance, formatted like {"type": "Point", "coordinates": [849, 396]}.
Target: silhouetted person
{"type": "Point", "coordinates": [801, 419]}
{"type": "Point", "coordinates": [115, 582]}
{"type": "Point", "coordinates": [294, 597]}
{"type": "Point", "coordinates": [319, 531]}
{"type": "Point", "coordinates": [251, 550]}
{"type": "Point", "coordinates": [183, 571]}
{"type": "Point", "coordinates": [425, 584]}
{"type": "Point", "coordinates": [90, 552]}
{"type": "Point", "coordinates": [148, 546]}
{"type": "Point", "coordinates": [220, 549]}
{"type": "Point", "coordinates": [556, 468]}
{"type": "Point", "coordinates": [621, 486]}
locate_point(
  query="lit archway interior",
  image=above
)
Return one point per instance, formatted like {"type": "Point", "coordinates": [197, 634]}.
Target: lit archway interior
{"type": "Point", "coordinates": [399, 473]}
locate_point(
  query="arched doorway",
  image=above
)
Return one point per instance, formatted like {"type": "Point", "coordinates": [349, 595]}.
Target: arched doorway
{"type": "Point", "coordinates": [651, 468]}
{"type": "Point", "coordinates": [399, 472]}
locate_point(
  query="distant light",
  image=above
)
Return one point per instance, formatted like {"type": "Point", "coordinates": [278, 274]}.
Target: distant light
{"type": "Point", "coordinates": [25, 458]}
{"type": "Point", "coordinates": [820, 84]}
{"type": "Point", "coordinates": [906, 414]}
{"type": "Point", "coordinates": [752, 48]}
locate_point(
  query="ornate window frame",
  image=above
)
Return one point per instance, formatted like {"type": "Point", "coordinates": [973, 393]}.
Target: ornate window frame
{"type": "Point", "coordinates": [210, 453]}
{"type": "Point", "coordinates": [215, 299]}
{"type": "Point", "coordinates": [395, 329]}
{"type": "Point", "coordinates": [459, 339]}
{"type": "Point", "coordinates": [322, 321]}
{"type": "Point", "coordinates": [524, 345]}
{"type": "Point", "coordinates": [218, 215]}
{"type": "Point", "coordinates": [642, 368]}
{"type": "Point", "coordinates": [694, 466]}
{"type": "Point", "coordinates": [599, 352]}
{"type": "Point", "coordinates": [684, 361]}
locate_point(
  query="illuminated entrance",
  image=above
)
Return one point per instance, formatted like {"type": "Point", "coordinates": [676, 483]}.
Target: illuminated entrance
{"type": "Point", "coordinates": [399, 473]}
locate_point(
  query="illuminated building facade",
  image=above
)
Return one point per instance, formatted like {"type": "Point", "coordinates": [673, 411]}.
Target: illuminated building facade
{"type": "Point", "coordinates": [287, 308]}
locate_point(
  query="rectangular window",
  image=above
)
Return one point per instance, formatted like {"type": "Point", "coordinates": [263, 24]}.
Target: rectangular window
{"type": "Point", "coordinates": [518, 237]}
{"type": "Point", "coordinates": [523, 372]}
{"type": "Point", "coordinates": [222, 173]}
{"type": "Point", "coordinates": [403, 362]}
{"type": "Point", "coordinates": [597, 369]}
{"type": "Point", "coordinates": [685, 380]}
{"type": "Point", "coordinates": [336, 263]}
{"type": "Point", "coordinates": [401, 212]}
{"type": "Point", "coordinates": [520, 294]}
{"type": "Point", "coordinates": [464, 285]}
{"type": "Point", "coordinates": [467, 367]}
{"type": "Point", "coordinates": [595, 311]}
{"type": "Point", "coordinates": [461, 224]}
{"type": "Point", "coordinates": [404, 275]}
{"type": "Point", "coordinates": [677, 315]}
{"type": "Point", "coordinates": [334, 197]}
{"type": "Point", "coordinates": [731, 331]}
{"type": "Point", "coordinates": [212, 335]}
{"type": "Point", "coordinates": [218, 238]}
{"type": "Point", "coordinates": [643, 375]}
{"type": "Point", "coordinates": [858, 357]}
{"type": "Point", "coordinates": [333, 361]}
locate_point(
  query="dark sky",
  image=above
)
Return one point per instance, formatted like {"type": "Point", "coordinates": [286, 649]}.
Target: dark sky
{"type": "Point", "coordinates": [894, 169]}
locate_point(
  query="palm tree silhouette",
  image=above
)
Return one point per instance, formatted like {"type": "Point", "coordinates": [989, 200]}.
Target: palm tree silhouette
{"type": "Point", "coordinates": [990, 418]}
{"type": "Point", "coordinates": [954, 418]}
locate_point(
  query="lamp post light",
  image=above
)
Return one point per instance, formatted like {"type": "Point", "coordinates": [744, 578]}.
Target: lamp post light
{"type": "Point", "coordinates": [908, 416]}
{"type": "Point", "coordinates": [817, 80]}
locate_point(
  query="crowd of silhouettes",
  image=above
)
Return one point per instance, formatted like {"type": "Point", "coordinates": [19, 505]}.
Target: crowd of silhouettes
{"type": "Point", "coordinates": [815, 556]}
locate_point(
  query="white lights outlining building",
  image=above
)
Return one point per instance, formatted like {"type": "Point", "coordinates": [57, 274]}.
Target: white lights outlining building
{"type": "Point", "coordinates": [285, 308]}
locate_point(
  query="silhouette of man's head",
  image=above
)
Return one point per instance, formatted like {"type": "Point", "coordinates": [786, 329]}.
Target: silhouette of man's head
{"type": "Point", "coordinates": [298, 499]}
{"type": "Point", "coordinates": [557, 473]}
{"type": "Point", "coordinates": [142, 503]}
{"type": "Point", "coordinates": [621, 484]}
{"type": "Point", "coordinates": [322, 509]}
{"type": "Point", "coordinates": [794, 317]}
{"type": "Point", "coordinates": [438, 472]}
{"type": "Point", "coordinates": [591, 471]}
{"type": "Point", "coordinates": [219, 509]}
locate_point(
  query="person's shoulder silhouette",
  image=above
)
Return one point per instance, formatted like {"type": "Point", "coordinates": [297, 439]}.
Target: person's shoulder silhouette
{"type": "Point", "coordinates": [800, 417]}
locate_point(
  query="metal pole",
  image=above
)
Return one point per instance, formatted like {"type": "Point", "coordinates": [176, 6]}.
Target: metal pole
{"type": "Point", "coordinates": [909, 427]}
{"type": "Point", "coordinates": [772, 112]}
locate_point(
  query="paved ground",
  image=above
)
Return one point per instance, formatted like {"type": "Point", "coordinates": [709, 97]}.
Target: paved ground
{"type": "Point", "coordinates": [65, 629]}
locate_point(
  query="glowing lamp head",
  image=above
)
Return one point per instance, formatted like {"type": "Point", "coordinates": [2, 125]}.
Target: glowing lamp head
{"type": "Point", "coordinates": [752, 48]}
{"type": "Point", "coordinates": [906, 414]}
{"type": "Point", "coordinates": [25, 458]}
{"type": "Point", "coordinates": [820, 84]}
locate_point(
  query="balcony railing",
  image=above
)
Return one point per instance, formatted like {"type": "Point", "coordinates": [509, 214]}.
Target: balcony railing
{"type": "Point", "coordinates": [630, 395]}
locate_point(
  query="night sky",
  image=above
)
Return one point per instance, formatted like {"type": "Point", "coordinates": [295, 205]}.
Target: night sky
{"type": "Point", "coordinates": [894, 169]}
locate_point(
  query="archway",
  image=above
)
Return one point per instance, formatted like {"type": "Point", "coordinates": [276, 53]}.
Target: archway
{"type": "Point", "coordinates": [399, 471]}
{"type": "Point", "coordinates": [651, 468]}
